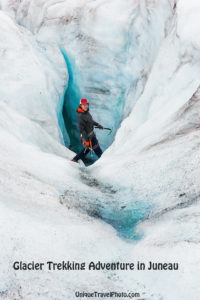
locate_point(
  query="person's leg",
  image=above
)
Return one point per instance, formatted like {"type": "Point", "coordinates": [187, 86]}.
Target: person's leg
{"type": "Point", "coordinates": [81, 154]}
{"type": "Point", "coordinates": [96, 147]}
{"type": "Point", "coordinates": [98, 151]}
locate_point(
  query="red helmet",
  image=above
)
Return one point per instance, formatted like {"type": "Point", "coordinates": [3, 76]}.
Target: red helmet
{"type": "Point", "coordinates": [83, 101]}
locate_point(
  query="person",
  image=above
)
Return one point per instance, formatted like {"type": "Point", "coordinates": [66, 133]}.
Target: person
{"type": "Point", "coordinates": [86, 127]}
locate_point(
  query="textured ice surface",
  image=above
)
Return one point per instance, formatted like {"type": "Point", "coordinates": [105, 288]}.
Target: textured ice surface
{"type": "Point", "coordinates": [138, 64]}
{"type": "Point", "coordinates": [111, 60]}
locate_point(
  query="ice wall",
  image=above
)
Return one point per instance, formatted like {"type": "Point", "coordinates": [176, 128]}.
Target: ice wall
{"type": "Point", "coordinates": [111, 54]}
{"type": "Point", "coordinates": [156, 146]}
{"type": "Point", "coordinates": [137, 39]}
{"type": "Point", "coordinates": [31, 88]}
{"type": "Point", "coordinates": [148, 84]}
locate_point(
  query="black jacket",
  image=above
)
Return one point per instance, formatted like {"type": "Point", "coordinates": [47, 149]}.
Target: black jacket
{"type": "Point", "coordinates": [86, 123]}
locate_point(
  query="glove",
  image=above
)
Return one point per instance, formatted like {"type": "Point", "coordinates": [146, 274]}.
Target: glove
{"type": "Point", "coordinates": [99, 126]}
{"type": "Point", "coordinates": [87, 144]}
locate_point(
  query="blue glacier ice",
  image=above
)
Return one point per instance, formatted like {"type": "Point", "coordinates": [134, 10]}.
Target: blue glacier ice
{"type": "Point", "coordinates": [138, 64]}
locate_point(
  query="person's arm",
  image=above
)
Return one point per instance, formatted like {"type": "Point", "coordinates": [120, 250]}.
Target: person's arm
{"type": "Point", "coordinates": [97, 124]}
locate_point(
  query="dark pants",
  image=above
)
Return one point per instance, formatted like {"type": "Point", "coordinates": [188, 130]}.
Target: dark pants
{"type": "Point", "coordinates": [84, 152]}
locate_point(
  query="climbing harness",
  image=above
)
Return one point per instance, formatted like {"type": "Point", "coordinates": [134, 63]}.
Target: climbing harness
{"type": "Point", "coordinates": [92, 133]}
{"type": "Point", "coordinates": [90, 147]}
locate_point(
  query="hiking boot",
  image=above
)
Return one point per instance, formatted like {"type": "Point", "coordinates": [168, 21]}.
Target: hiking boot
{"type": "Point", "coordinates": [74, 160]}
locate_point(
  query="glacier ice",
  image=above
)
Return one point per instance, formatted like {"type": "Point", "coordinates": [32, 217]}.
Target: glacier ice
{"type": "Point", "coordinates": [111, 61]}
{"type": "Point", "coordinates": [139, 67]}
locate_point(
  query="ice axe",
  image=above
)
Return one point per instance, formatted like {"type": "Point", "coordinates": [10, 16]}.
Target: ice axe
{"type": "Point", "coordinates": [106, 128]}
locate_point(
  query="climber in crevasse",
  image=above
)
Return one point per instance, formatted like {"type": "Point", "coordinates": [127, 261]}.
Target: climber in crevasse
{"type": "Point", "coordinates": [88, 136]}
